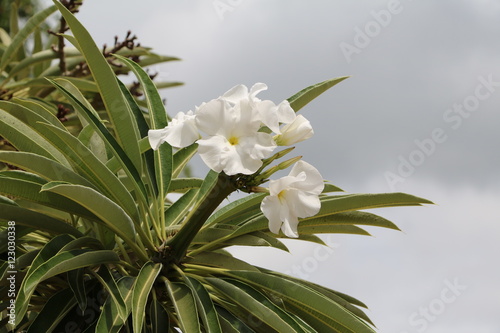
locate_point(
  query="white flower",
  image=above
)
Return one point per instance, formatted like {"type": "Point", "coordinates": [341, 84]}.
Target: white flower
{"type": "Point", "coordinates": [271, 115]}
{"type": "Point", "coordinates": [234, 144]}
{"type": "Point", "coordinates": [179, 133]}
{"type": "Point", "coordinates": [298, 130]}
{"type": "Point", "coordinates": [291, 197]}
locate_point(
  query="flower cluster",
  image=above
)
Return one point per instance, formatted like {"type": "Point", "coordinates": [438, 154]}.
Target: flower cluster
{"type": "Point", "coordinates": [235, 134]}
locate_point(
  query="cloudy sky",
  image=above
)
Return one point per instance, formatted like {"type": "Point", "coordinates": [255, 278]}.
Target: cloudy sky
{"type": "Point", "coordinates": [420, 114]}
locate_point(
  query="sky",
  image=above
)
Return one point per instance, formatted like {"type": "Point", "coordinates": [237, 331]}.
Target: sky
{"type": "Point", "coordinates": [419, 114]}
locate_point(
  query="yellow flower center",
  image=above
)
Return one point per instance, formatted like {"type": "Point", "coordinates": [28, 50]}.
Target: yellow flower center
{"type": "Point", "coordinates": [233, 140]}
{"type": "Point", "coordinates": [281, 196]}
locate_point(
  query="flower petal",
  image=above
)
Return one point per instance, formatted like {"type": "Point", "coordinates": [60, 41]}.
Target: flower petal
{"type": "Point", "coordinates": [212, 151]}
{"type": "Point", "coordinates": [285, 112]}
{"type": "Point", "coordinates": [270, 207]}
{"type": "Point", "coordinates": [304, 204]}
{"type": "Point", "coordinates": [298, 130]}
{"type": "Point", "coordinates": [313, 182]}
{"type": "Point", "coordinates": [157, 137]}
{"type": "Point", "coordinates": [211, 117]}
{"type": "Point", "coordinates": [256, 88]}
{"type": "Point", "coordinates": [236, 94]}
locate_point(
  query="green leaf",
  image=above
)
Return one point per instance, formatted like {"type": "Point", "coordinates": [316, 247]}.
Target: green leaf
{"type": "Point", "coordinates": [112, 215]}
{"type": "Point", "coordinates": [36, 109]}
{"type": "Point", "coordinates": [117, 107]}
{"type": "Point", "coordinates": [318, 306]}
{"type": "Point", "coordinates": [303, 97]}
{"type": "Point", "coordinates": [60, 263]}
{"type": "Point", "coordinates": [182, 157]}
{"type": "Point", "coordinates": [231, 323]}
{"type": "Point", "coordinates": [233, 210]}
{"type": "Point", "coordinates": [43, 166]}
{"type": "Point", "coordinates": [30, 190]}
{"type": "Point", "coordinates": [345, 218]}
{"type": "Point", "coordinates": [256, 304]}
{"type": "Point", "coordinates": [110, 321]}
{"type": "Point", "coordinates": [87, 163]}
{"type": "Point", "coordinates": [77, 284]}
{"type": "Point", "coordinates": [159, 317]}
{"type": "Point", "coordinates": [180, 208]}
{"type": "Point", "coordinates": [53, 312]}
{"type": "Point", "coordinates": [36, 220]}
{"type": "Point", "coordinates": [205, 305]}
{"type": "Point", "coordinates": [24, 138]}
{"type": "Point", "coordinates": [143, 284]}
{"type": "Point", "coordinates": [110, 141]}
{"type": "Point", "coordinates": [351, 202]}
{"type": "Point", "coordinates": [220, 260]}
{"type": "Point", "coordinates": [331, 188]}
{"type": "Point", "coordinates": [342, 299]}
{"type": "Point", "coordinates": [158, 119]}
{"type": "Point", "coordinates": [183, 184]}
{"type": "Point", "coordinates": [185, 306]}
{"type": "Point", "coordinates": [106, 279]}
{"type": "Point", "coordinates": [148, 154]}
{"type": "Point", "coordinates": [20, 37]}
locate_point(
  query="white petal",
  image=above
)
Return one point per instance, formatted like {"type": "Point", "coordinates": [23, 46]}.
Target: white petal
{"type": "Point", "coordinates": [304, 204]}
{"type": "Point", "coordinates": [298, 130]}
{"type": "Point", "coordinates": [236, 94]}
{"type": "Point", "coordinates": [284, 183]}
{"type": "Point", "coordinates": [256, 88]}
{"type": "Point", "coordinates": [263, 146]}
{"type": "Point", "coordinates": [285, 112]}
{"type": "Point", "coordinates": [289, 227]}
{"type": "Point", "coordinates": [268, 115]}
{"type": "Point", "coordinates": [237, 160]}
{"type": "Point", "coordinates": [270, 207]}
{"type": "Point", "coordinates": [211, 117]}
{"type": "Point", "coordinates": [182, 131]}
{"type": "Point", "coordinates": [313, 182]}
{"type": "Point", "coordinates": [211, 151]}
{"type": "Point", "coordinates": [157, 137]}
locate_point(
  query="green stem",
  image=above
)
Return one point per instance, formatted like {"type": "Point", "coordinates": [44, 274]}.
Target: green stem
{"type": "Point", "coordinates": [194, 222]}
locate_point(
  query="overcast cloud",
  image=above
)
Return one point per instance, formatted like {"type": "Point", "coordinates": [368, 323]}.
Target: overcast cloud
{"type": "Point", "coordinates": [395, 124]}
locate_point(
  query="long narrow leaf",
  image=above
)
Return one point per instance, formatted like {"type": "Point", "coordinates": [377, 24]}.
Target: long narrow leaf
{"type": "Point", "coordinates": [116, 105]}
{"type": "Point", "coordinates": [93, 168]}
{"type": "Point", "coordinates": [303, 97]}
{"type": "Point", "coordinates": [143, 284]}
{"type": "Point", "coordinates": [43, 166]}
{"type": "Point", "coordinates": [184, 303]}
{"type": "Point", "coordinates": [205, 305]}
{"type": "Point", "coordinates": [110, 320]}
{"type": "Point", "coordinates": [112, 144]}
{"type": "Point", "coordinates": [53, 312]}
{"type": "Point", "coordinates": [256, 304]}
{"type": "Point", "coordinates": [319, 306]}
{"type": "Point", "coordinates": [109, 212]}
{"type": "Point", "coordinates": [24, 138]}
{"type": "Point", "coordinates": [22, 35]}
{"type": "Point", "coordinates": [158, 119]}
{"type": "Point", "coordinates": [30, 190]}
{"type": "Point", "coordinates": [36, 221]}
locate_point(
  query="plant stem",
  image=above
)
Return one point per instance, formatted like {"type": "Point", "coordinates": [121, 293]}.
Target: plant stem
{"type": "Point", "coordinates": [180, 242]}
